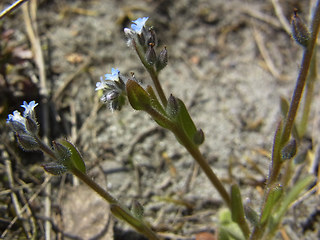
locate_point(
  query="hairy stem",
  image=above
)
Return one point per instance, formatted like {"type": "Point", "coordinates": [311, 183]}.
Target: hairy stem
{"type": "Point", "coordinates": [303, 73]}
{"type": "Point", "coordinates": [258, 231]}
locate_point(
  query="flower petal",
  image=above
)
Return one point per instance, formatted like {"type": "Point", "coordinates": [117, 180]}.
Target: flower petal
{"type": "Point", "coordinates": [28, 107]}
{"type": "Point", "coordinates": [113, 76]}
{"type": "Point", "coordinates": [139, 24]}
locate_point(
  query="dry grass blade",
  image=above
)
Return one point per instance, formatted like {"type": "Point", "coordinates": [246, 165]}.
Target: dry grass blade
{"type": "Point", "coordinates": [281, 17]}
{"type": "Point", "coordinates": [11, 8]}
{"type": "Point", "coordinates": [30, 16]}
{"type": "Point", "coordinates": [31, 199]}
{"type": "Point", "coordinates": [266, 56]}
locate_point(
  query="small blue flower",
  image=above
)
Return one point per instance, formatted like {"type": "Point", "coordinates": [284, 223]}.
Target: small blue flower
{"type": "Point", "coordinates": [113, 87]}
{"type": "Point", "coordinates": [29, 108]}
{"type": "Point", "coordinates": [114, 74]}
{"type": "Point", "coordinates": [100, 85]}
{"type": "Point", "coordinates": [138, 24]}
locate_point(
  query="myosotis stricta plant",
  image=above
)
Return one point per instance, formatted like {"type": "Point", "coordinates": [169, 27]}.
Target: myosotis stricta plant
{"type": "Point", "coordinates": [171, 113]}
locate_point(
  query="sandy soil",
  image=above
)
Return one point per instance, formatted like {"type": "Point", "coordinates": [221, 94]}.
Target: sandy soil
{"type": "Point", "coordinates": [230, 61]}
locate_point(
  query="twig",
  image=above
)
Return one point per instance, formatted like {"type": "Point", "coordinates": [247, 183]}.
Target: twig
{"type": "Point", "coordinates": [262, 17]}
{"type": "Point", "coordinates": [265, 55]}
{"type": "Point", "coordinates": [281, 17]}
{"type": "Point", "coordinates": [29, 216]}
{"type": "Point", "coordinates": [12, 7]}
{"type": "Point", "coordinates": [31, 199]}
{"type": "Point", "coordinates": [29, 16]}
{"type": "Point", "coordinates": [14, 198]}
{"type": "Point", "coordinates": [74, 134]}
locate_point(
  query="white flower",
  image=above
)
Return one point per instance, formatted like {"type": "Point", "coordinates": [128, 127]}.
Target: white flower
{"type": "Point", "coordinates": [29, 108]}
{"type": "Point", "coordinates": [100, 85]}
{"type": "Point", "coordinates": [16, 117]}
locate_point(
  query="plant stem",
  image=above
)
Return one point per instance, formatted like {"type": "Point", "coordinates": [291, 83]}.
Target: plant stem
{"type": "Point", "coordinates": [297, 94]}
{"type": "Point", "coordinates": [302, 127]}
{"type": "Point", "coordinates": [258, 231]}
{"type": "Point", "coordinates": [194, 151]}
{"type": "Point", "coordinates": [303, 73]}
{"type": "Point", "coordinates": [92, 184]}
{"type": "Point", "coordinates": [152, 73]}
{"type": "Point", "coordinates": [156, 82]}
{"type": "Point", "coordinates": [44, 147]}
{"type": "Point", "coordinates": [196, 154]}
{"type": "Point", "coordinates": [116, 207]}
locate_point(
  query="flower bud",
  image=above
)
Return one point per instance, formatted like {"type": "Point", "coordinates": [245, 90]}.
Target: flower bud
{"type": "Point", "coordinates": [137, 209]}
{"type": "Point", "coordinates": [251, 215]}
{"type": "Point", "coordinates": [141, 38]}
{"type": "Point", "coordinates": [172, 107]}
{"type": "Point", "coordinates": [300, 32]}
{"type": "Point", "coordinates": [31, 125]}
{"type": "Point", "coordinates": [112, 95]}
{"type": "Point", "coordinates": [198, 137]}
{"type": "Point", "coordinates": [55, 168]}
{"type": "Point", "coordinates": [27, 142]}
{"type": "Point", "coordinates": [162, 60]}
{"type": "Point", "coordinates": [289, 151]}
{"type": "Point", "coordinates": [62, 153]}
{"type": "Point", "coordinates": [152, 37]}
{"type": "Point", "coordinates": [151, 55]}
{"type": "Point", "coordinates": [17, 127]}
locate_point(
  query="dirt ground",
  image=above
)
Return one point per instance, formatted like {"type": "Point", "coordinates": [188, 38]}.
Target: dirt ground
{"type": "Point", "coordinates": [229, 60]}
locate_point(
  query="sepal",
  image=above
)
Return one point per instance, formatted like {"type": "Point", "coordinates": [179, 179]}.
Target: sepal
{"type": "Point", "coordinates": [300, 32]}
{"type": "Point", "coordinates": [75, 160]}
{"type": "Point", "coordinates": [55, 168]}
{"type": "Point", "coordinates": [162, 60]}
{"type": "Point", "coordinates": [27, 142]}
{"type": "Point", "coordinates": [32, 125]}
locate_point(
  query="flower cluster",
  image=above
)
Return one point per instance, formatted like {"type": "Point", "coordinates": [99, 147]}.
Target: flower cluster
{"type": "Point", "coordinates": [114, 89]}
{"type": "Point", "coordinates": [26, 126]}
{"type": "Point", "coordinates": [145, 41]}
{"type": "Point", "coordinates": [137, 30]}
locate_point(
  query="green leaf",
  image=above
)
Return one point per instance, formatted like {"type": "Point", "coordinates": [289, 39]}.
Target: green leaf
{"type": "Point", "coordinates": [251, 215]}
{"type": "Point", "coordinates": [285, 204]}
{"type": "Point", "coordinates": [237, 211]}
{"type": "Point", "coordinates": [76, 158]}
{"type": "Point", "coordinates": [185, 120]}
{"type": "Point", "coordinates": [273, 197]}
{"type": "Point", "coordinates": [228, 229]}
{"type": "Point", "coordinates": [292, 196]}
{"type": "Point", "coordinates": [284, 106]}
{"type": "Point", "coordinates": [138, 97]}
